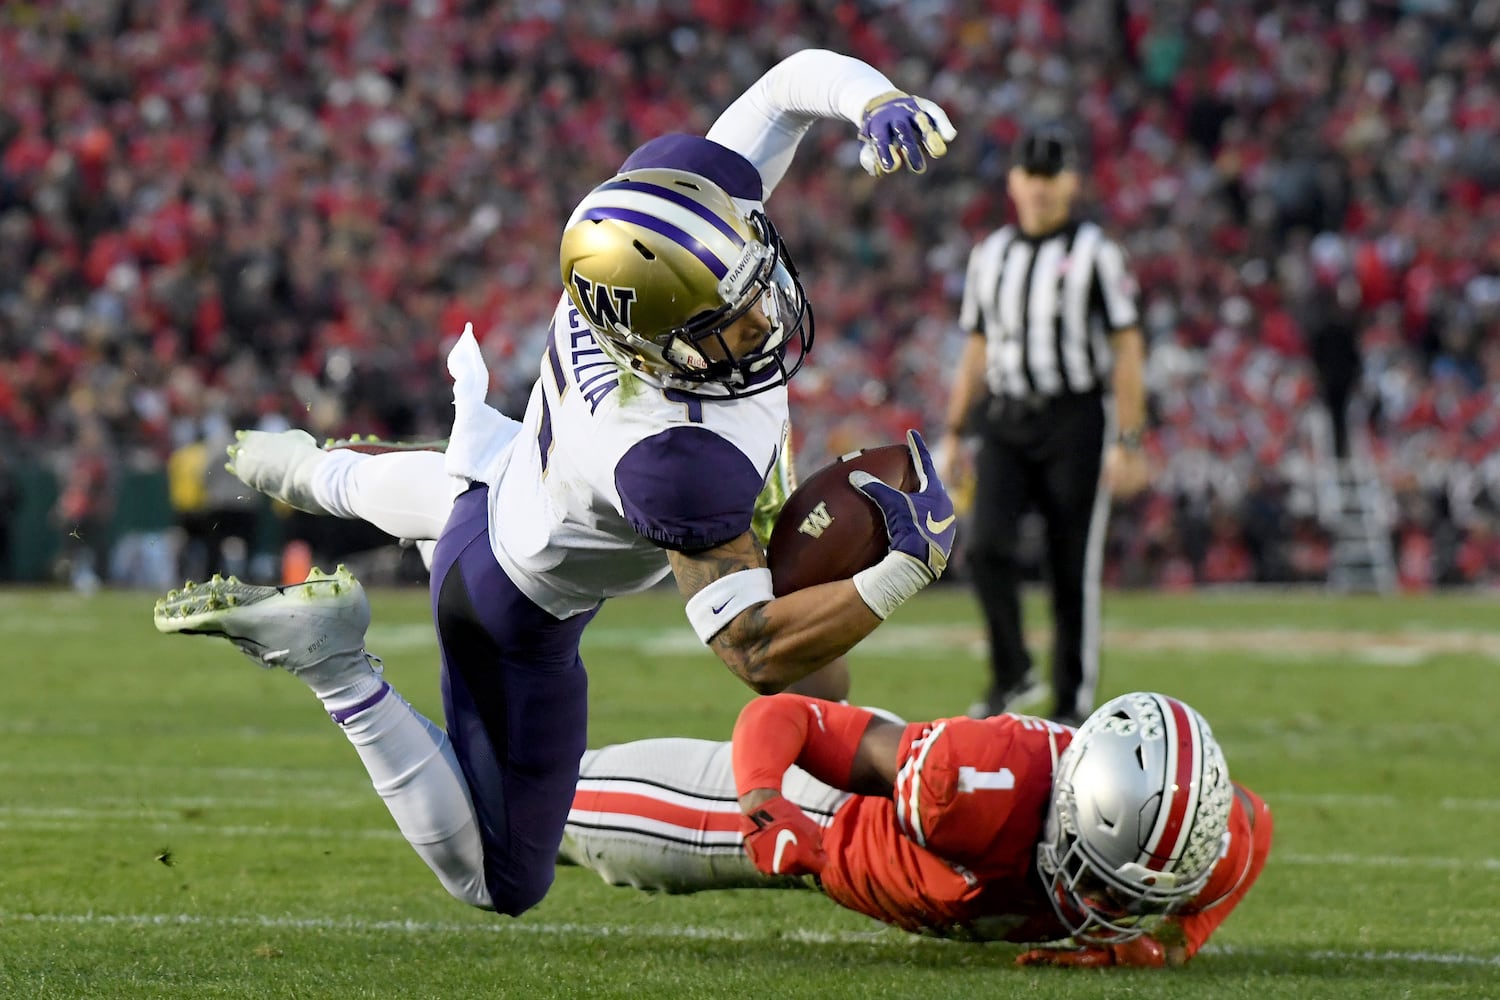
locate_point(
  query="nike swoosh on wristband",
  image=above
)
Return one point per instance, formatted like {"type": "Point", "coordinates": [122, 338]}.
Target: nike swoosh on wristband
{"type": "Point", "coordinates": [784, 839]}
{"type": "Point", "coordinates": [940, 526]}
{"type": "Point", "coordinates": [721, 607]}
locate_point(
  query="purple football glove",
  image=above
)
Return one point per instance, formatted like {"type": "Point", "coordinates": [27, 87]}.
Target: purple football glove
{"type": "Point", "coordinates": [920, 524]}
{"type": "Point", "coordinates": [901, 128]}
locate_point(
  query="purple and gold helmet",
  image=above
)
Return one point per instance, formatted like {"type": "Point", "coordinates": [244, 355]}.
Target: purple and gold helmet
{"type": "Point", "coordinates": [660, 263]}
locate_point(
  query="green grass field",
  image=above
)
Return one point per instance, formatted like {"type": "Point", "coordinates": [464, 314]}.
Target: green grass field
{"type": "Point", "coordinates": [175, 823]}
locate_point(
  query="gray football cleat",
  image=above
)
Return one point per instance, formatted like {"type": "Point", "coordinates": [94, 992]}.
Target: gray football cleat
{"type": "Point", "coordinates": [297, 627]}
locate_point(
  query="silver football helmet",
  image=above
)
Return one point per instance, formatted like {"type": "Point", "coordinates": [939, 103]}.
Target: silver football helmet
{"type": "Point", "coordinates": [1140, 813]}
{"type": "Point", "coordinates": [666, 269]}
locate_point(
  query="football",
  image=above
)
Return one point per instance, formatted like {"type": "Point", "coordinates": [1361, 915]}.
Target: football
{"type": "Point", "coordinates": [829, 530]}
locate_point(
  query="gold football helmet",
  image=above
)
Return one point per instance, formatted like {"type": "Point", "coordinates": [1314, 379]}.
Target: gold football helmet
{"type": "Point", "coordinates": [666, 269]}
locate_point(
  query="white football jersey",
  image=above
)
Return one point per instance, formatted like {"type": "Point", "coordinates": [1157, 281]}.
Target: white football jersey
{"type": "Point", "coordinates": [608, 472]}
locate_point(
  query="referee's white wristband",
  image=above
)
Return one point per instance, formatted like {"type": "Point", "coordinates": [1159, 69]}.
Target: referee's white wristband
{"type": "Point", "coordinates": [891, 582]}
{"type": "Point", "coordinates": [717, 604]}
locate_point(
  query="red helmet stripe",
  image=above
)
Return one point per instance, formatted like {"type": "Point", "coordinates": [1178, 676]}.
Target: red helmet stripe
{"type": "Point", "coordinates": [1184, 762]}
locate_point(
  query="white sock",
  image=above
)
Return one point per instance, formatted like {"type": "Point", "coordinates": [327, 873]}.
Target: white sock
{"type": "Point", "coordinates": [342, 684]}
{"type": "Point", "coordinates": [414, 769]}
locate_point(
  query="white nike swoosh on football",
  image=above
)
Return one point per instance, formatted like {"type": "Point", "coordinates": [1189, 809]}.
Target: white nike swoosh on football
{"type": "Point", "coordinates": [940, 525]}
{"type": "Point", "coordinates": [784, 839]}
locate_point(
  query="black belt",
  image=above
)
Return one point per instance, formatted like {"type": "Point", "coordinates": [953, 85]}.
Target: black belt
{"type": "Point", "coordinates": [1033, 403]}
{"type": "Point", "coordinates": [1011, 407]}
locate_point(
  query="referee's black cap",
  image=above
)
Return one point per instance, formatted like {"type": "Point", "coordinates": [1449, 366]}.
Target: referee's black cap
{"type": "Point", "coordinates": [1046, 149]}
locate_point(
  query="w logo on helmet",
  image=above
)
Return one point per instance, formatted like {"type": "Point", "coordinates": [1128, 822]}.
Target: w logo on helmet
{"type": "Point", "coordinates": [606, 306]}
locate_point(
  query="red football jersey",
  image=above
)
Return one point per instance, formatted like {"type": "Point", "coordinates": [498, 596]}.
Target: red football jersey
{"type": "Point", "coordinates": [953, 851]}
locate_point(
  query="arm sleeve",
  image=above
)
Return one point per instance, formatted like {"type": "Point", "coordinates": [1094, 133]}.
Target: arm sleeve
{"type": "Point", "coordinates": [1117, 287]}
{"type": "Point", "coordinates": [687, 489]}
{"type": "Point", "coordinates": [766, 123]}
{"type": "Point", "coordinates": [777, 731]}
{"type": "Point", "coordinates": [1249, 845]}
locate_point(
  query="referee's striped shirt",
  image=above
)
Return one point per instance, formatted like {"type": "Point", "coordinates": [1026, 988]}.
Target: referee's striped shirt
{"type": "Point", "coordinates": [1046, 307]}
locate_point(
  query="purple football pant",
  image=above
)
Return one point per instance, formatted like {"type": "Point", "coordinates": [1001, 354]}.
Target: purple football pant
{"type": "Point", "coordinates": [516, 700]}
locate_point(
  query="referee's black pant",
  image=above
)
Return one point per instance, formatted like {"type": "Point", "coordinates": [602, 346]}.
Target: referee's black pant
{"type": "Point", "coordinates": [1044, 453]}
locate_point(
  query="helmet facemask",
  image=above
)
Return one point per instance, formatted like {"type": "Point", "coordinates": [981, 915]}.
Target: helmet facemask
{"type": "Point", "coordinates": [701, 350]}
{"type": "Point", "coordinates": [1139, 816]}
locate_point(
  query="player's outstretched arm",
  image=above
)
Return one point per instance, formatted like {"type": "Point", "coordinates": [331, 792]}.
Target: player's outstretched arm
{"type": "Point", "coordinates": [772, 642]}
{"type": "Point", "coordinates": [840, 745]}
{"type": "Point", "coordinates": [1250, 835]}
{"type": "Point", "coordinates": [897, 130]}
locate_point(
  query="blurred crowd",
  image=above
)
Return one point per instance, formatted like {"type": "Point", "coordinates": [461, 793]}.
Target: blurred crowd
{"type": "Point", "coordinates": [262, 213]}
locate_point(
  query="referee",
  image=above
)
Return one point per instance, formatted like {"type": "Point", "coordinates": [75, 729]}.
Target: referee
{"type": "Point", "coordinates": [1051, 379]}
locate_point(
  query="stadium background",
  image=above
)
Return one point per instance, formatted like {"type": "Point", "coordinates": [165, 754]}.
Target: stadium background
{"type": "Point", "coordinates": [221, 215]}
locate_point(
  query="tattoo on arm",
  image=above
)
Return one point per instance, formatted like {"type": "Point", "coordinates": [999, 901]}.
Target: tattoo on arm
{"type": "Point", "coordinates": [697, 570]}
{"type": "Point", "coordinates": [743, 644]}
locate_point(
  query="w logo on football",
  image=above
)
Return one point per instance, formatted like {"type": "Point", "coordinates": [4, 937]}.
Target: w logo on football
{"type": "Point", "coordinates": [817, 520]}
{"type": "Point", "coordinates": [607, 307]}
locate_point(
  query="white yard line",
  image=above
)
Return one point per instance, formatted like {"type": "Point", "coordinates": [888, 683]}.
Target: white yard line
{"type": "Point", "coordinates": [23, 818]}
{"type": "Point", "coordinates": [187, 827]}
{"type": "Point", "coordinates": [663, 932]}
{"type": "Point", "coordinates": [1387, 861]}
{"type": "Point", "coordinates": [1339, 799]}
{"type": "Point", "coordinates": [354, 792]}
{"type": "Point", "coordinates": [321, 778]}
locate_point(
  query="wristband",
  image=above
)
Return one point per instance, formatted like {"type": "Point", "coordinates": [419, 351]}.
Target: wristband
{"type": "Point", "coordinates": [1129, 439]}
{"type": "Point", "coordinates": [717, 604]}
{"type": "Point", "coordinates": [891, 582]}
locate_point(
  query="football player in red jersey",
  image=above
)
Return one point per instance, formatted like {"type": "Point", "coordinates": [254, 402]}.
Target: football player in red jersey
{"type": "Point", "coordinates": [1121, 843]}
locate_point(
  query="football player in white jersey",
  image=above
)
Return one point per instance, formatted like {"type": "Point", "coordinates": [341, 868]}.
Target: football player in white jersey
{"type": "Point", "coordinates": [658, 413]}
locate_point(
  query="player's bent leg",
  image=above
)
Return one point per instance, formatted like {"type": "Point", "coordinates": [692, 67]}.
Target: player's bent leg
{"type": "Point", "coordinates": [516, 698]}
{"type": "Point", "coordinates": [407, 494]}
{"type": "Point", "coordinates": [315, 630]}
{"type": "Point", "coordinates": [662, 815]}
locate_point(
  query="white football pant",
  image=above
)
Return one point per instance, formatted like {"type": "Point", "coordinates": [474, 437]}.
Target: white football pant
{"type": "Point", "coordinates": [662, 815]}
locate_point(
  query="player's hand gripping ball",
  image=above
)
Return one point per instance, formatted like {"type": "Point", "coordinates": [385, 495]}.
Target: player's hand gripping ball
{"type": "Point", "coordinates": [828, 530]}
